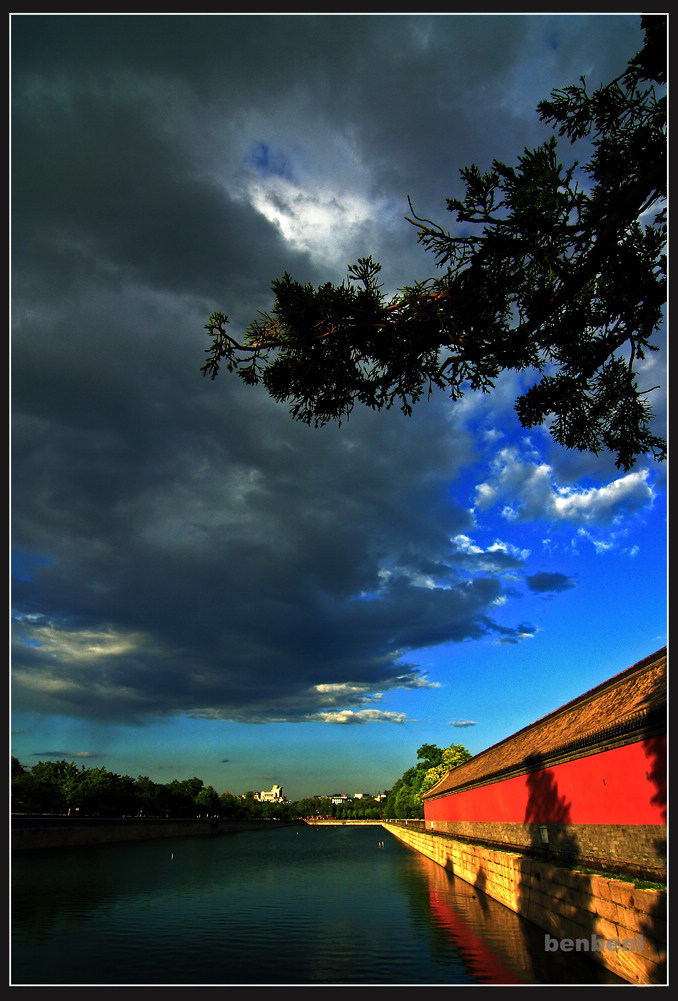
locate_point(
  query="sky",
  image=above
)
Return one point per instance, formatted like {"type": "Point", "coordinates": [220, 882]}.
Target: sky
{"type": "Point", "coordinates": [202, 586]}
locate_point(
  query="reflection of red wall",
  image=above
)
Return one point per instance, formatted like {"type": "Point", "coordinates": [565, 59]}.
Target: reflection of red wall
{"type": "Point", "coordinates": [626, 785]}
{"type": "Point", "coordinates": [479, 958]}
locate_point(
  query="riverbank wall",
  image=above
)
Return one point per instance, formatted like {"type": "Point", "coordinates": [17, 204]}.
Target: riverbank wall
{"type": "Point", "coordinates": [618, 924]}
{"type": "Point", "coordinates": [343, 823]}
{"type": "Point", "coordinates": [66, 832]}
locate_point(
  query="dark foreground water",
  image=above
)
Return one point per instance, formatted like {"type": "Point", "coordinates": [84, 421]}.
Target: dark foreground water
{"type": "Point", "coordinates": [307, 905]}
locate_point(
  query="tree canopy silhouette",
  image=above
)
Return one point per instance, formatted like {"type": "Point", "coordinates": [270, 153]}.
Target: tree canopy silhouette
{"type": "Point", "coordinates": [555, 271]}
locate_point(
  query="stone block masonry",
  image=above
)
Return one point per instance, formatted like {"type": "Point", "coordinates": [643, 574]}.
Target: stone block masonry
{"type": "Point", "coordinates": [636, 849]}
{"type": "Point", "coordinates": [577, 910]}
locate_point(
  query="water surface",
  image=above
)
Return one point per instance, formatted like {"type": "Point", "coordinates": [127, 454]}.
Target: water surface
{"type": "Point", "coordinates": [289, 905]}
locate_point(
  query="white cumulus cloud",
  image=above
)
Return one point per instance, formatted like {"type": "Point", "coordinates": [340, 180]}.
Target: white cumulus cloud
{"type": "Point", "coordinates": [530, 491]}
{"type": "Point", "coordinates": [361, 716]}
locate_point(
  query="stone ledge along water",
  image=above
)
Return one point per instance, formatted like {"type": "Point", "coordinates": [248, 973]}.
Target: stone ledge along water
{"type": "Point", "coordinates": [63, 832]}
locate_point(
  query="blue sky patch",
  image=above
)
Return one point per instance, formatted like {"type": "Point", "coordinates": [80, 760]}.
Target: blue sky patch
{"type": "Point", "coordinates": [270, 162]}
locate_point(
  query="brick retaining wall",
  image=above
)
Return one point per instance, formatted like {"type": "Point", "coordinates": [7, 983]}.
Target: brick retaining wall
{"type": "Point", "coordinates": [566, 904]}
{"type": "Point", "coordinates": [637, 849]}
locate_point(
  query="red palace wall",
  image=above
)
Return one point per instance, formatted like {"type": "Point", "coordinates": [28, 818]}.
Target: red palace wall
{"type": "Point", "coordinates": [624, 785]}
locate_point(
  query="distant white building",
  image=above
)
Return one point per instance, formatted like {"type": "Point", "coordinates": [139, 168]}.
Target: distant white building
{"type": "Point", "coordinates": [343, 797]}
{"type": "Point", "coordinates": [275, 795]}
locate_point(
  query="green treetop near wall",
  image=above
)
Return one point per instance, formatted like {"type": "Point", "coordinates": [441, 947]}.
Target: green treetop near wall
{"type": "Point", "coordinates": [404, 800]}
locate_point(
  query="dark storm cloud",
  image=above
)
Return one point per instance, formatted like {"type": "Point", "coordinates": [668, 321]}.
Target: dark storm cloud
{"type": "Point", "coordinates": [184, 547]}
{"type": "Point", "coordinates": [120, 125]}
{"type": "Point", "coordinates": [114, 198]}
{"type": "Point", "coordinates": [248, 578]}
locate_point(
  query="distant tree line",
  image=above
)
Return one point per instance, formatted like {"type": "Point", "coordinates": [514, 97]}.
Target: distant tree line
{"type": "Point", "coordinates": [366, 808]}
{"type": "Point", "coordinates": [404, 801]}
{"type": "Point", "coordinates": [61, 788]}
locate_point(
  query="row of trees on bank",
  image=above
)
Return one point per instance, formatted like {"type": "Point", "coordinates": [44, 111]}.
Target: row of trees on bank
{"type": "Point", "coordinates": [62, 788]}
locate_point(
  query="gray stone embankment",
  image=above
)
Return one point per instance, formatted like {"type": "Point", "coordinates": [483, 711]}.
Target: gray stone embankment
{"type": "Point", "coordinates": [618, 924]}
{"type": "Point", "coordinates": [66, 832]}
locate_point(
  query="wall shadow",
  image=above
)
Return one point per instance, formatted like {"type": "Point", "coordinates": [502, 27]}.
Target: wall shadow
{"type": "Point", "coordinates": [548, 808]}
{"type": "Point", "coordinates": [655, 926]}
{"type": "Point", "coordinates": [548, 812]}
{"type": "Point", "coordinates": [553, 839]}
{"type": "Point", "coordinates": [480, 883]}
{"type": "Point", "coordinates": [655, 750]}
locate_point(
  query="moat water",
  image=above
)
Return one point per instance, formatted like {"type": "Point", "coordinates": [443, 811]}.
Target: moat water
{"type": "Point", "coordinates": [290, 905]}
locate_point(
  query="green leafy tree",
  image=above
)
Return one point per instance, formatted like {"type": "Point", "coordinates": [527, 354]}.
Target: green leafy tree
{"type": "Point", "coordinates": [450, 758]}
{"type": "Point", "coordinates": [404, 801]}
{"type": "Point", "coordinates": [366, 808]}
{"type": "Point", "coordinates": [557, 271]}
{"type": "Point", "coordinates": [27, 795]}
{"type": "Point", "coordinates": [147, 795]}
{"type": "Point", "coordinates": [96, 792]}
{"type": "Point", "coordinates": [249, 806]}
{"type": "Point", "coordinates": [207, 801]}
{"type": "Point", "coordinates": [275, 811]}
{"type": "Point", "coordinates": [59, 782]}
{"type": "Point", "coordinates": [430, 755]}
{"type": "Point", "coordinates": [105, 794]}
{"type": "Point", "coordinates": [178, 797]}
{"type": "Point", "coordinates": [229, 806]}
{"type": "Point", "coordinates": [313, 806]}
